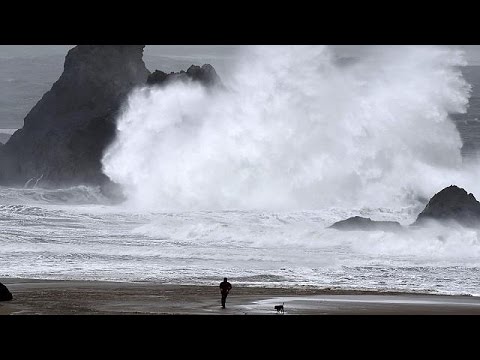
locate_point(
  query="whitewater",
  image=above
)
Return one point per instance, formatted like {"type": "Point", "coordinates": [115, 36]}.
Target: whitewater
{"type": "Point", "coordinates": [244, 181]}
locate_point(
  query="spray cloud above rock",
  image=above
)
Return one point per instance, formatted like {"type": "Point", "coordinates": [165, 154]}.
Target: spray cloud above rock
{"type": "Point", "coordinates": [295, 128]}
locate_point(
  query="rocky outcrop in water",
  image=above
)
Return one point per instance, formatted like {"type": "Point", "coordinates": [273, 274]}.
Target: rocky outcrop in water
{"type": "Point", "coordinates": [452, 204]}
{"type": "Point", "coordinates": [358, 223]}
{"type": "Point", "coordinates": [206, 75]}
{"type": "Point", "coordinates": [5, 295]}
{"type": "Point", "coordinates": [66, 132]}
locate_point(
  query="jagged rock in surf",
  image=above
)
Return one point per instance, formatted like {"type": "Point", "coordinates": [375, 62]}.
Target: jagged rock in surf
{"type": "Point", "coordinates": [357, 223]}
{"type": "Point", "coordinates": [452, 204]}
{"type": "Point", "coordinates": [5, 295]}
{"type": "Point", "coordinates": [206, 75]}
{"type": "Point", "coordinates": [66, 132]}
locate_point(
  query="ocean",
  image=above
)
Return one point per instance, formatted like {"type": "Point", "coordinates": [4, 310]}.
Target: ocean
{"type": "Point", "coordinates": [74, 234]}
{"type": "Point", "coordinates": [77, 234]}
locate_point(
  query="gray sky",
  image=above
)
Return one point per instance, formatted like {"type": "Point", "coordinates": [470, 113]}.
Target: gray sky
{"type": "Point", "coordinates": [186, 51]}
{"type": "Point", "coordinates": [167, 50]}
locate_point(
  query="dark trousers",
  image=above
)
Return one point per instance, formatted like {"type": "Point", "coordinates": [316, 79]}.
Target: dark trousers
{"type": "Point", "coordinates": [224, 298]}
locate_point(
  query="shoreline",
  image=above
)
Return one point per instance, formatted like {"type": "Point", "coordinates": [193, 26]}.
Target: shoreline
{"type": "Point", "coordinates": [77, 297]}
{"type": "Point", "coordinates": [303, 289]}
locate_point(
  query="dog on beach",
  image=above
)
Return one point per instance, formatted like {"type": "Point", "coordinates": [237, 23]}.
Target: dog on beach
{"type": "Point", "coordinates": [279, 308]}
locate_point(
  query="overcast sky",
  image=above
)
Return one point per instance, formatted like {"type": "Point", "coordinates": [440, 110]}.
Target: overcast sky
{"type": "Point", "coordinates": [222, 51]}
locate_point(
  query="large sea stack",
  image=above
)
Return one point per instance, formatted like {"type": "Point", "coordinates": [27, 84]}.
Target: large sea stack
{"type": "Point", "coordinates": [65, 134]}
{"type": "Point", "coordinates": [452, 204]}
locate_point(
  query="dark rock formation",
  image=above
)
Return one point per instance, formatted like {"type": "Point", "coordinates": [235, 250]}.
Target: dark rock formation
{"type": "Point", "coordinates": [206, 75]}
{"type": "Point", "coordinates": [365, 224]}
{"type": "Point", "coordinates": [5, 295]}
{"type": "Point", "coordinates": [65, 134]}
{"type": "Point", "coordinates": [452, 203]}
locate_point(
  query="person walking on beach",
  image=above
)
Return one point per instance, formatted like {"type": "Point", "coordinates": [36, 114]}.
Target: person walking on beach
{"type": "Point", "coordinates": [225, 288]}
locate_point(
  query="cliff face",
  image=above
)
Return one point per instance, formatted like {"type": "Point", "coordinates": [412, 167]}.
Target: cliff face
{"type": "Point", "coordinates": [65, 134]}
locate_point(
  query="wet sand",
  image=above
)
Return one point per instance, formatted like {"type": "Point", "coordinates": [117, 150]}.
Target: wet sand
{"type": "Point", "coordinates": [42, 297]}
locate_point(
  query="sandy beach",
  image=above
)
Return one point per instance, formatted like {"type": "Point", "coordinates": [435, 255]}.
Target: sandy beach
{"type": "Point", "coordinates": [43, 297]}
